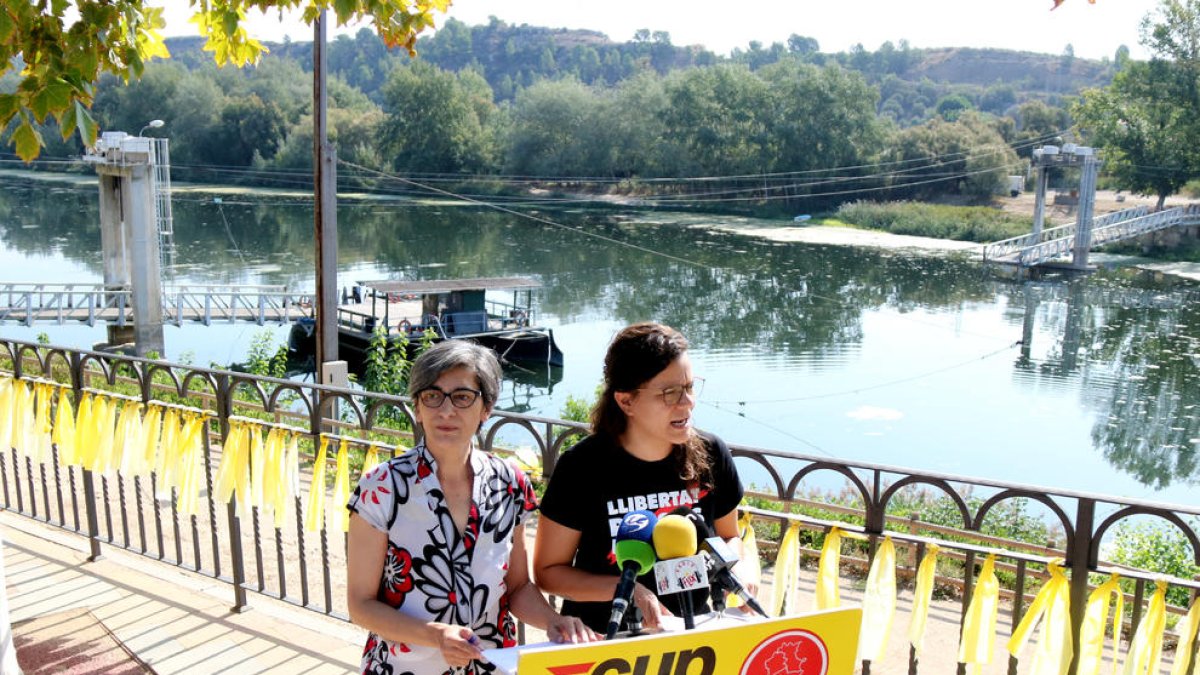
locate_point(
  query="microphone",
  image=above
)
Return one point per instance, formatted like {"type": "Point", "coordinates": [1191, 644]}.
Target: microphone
{"type": "Point", "coordinates": [723, 559]}
{"type": "Point", "coordinates": [679, 569]}
{"type": "Point", "coordinates": [635, 557]}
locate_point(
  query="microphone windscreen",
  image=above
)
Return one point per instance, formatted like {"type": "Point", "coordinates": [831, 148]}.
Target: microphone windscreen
{"type": "Point", "coordinates": [635, 551]}
{"type": "Point", "coordinates": [637, 525]}
{"type": "Point", "coordinates": [674, 537]}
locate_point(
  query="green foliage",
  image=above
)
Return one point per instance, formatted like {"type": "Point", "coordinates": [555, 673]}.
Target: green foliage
{"type": "Point", "coordinates": [43, 338]}
{"type": "Point", "coordinates": [260, 357]}
{"type": "Point", "coordinates": [1157, 547]}
{"type": "Point", "coordinates": [963, 223]}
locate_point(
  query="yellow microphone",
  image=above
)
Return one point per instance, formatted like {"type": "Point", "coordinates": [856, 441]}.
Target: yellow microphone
{"type": "Point", "coordinates": [674, 537]}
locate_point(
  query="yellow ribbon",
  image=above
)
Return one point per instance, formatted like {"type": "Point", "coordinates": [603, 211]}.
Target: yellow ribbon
{"type": "Point", "coordinates": [979, 627]}
{"type": "Point", "coordinates": [879, 603]}
{"type": "Point", "coordinates": [289, 475]}
{"type": "Point", "coordinates": [233, 474]}
{"type": "Point", "coordinates": [370, 461]}
{"type": "Point", "coordinates": [22, 416]}
{"type": "Point", "coordinates": [273, 467]}
{"type": "Point", "coordinates": [151, 430]}
{"type": "Point", "coordinates": [41, 441]}
{"type": "Point", "coordinates": [314, 516]}
{"type": "Point", "coordinates": [168, 451]}
{"type": "Point", "coordinates": [1186, 629]}
{"type": "Point", "coordinates": [922, 595]}
{"type": "Point", "coordinates": [787, 571]}
{"type": "Point", "coordinates": [1095, 617]}
{"type": "Point", "coordinates": [749, 568]}
{"type": "Point", "coordinates": [1052, 605]}
{"type": "Point", "coordinates": [341, 486]}
{"type": "Point", "coordinates": [257, 466]}
{"type": "Point", "coordinates": [191, 458]}
{"type": "Point", "coordinates": [6, 412]}
{"type": "Point", "coordinates": [85, 432]}
{"type": "Point", "coordinates": [1145, 651]}
{"type": "Point", "coordinates": [103, 415]}
{"type": "Point", "coordinates": [130, 417]}
{"type": "Point", "coordinates": [64, 429]}
{"type": "Point", "coordinates": [827, 571]}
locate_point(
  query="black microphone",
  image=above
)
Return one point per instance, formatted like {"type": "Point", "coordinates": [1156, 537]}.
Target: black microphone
{"type": "Point", "coordinates": [723, 559]}
{"type": "Point", "coordinates": [635, 557]}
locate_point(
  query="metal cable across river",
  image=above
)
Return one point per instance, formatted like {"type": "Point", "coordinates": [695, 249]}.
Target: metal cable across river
{"type": "Point", "coordinates": [864, 354]}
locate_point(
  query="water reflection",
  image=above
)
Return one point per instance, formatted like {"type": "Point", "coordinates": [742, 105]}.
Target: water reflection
{"type": "Point", "coordinates": [778, 324]}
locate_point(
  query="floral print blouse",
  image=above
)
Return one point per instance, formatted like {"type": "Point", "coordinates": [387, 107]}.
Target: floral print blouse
{"type": "Point", "coordinates": [433, 572]}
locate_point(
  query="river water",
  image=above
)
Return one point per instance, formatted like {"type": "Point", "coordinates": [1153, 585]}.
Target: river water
{"type": "Point", "coordinates": [916, 360]}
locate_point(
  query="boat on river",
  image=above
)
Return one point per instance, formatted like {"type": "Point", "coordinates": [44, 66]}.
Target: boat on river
{"type": "Point", "coordinates": [445, 309]}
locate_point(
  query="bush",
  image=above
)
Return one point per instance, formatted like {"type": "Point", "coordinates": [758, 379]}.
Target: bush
{"type": "Point", "coordinates": [961, 223]}
{"type": "Point", "coordinates": [1156, 547]}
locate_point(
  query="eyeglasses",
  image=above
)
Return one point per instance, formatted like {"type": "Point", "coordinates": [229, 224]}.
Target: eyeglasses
{"type": "Point", "coordinates": [674, 395]}
{"type": "Point", "coordinates": [433, 397]}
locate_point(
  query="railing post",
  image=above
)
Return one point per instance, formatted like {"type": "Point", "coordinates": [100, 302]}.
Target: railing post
{"type": "Point", "coordinates": [93, 519]}
{"type": "Point", "coordinates": [236, 558]}
{"type": "Point", "coordinates": [1078, 555]}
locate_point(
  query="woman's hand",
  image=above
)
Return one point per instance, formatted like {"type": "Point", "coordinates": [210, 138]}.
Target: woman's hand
{"type": "Point", "coordinates": [569, 629]}
{"type": "Point", "coordinates": [652, 610]}
{"type": "Point", "coordinates": [455, 644]}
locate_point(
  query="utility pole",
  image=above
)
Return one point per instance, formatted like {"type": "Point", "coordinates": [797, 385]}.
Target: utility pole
{"type": "Point", "coordinates": [329, 369]}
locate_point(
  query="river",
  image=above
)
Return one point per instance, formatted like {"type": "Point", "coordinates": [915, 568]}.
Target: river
{"type": "Point", "coordinates": [888, 356]}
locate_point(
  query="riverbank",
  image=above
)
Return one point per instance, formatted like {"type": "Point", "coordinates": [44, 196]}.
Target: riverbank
{"type": "Point", "coordinates": [1107, 201]}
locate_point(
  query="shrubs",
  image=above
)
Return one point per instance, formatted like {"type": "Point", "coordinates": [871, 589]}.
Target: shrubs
{"type": "Point", "coordinates": [962, 223]}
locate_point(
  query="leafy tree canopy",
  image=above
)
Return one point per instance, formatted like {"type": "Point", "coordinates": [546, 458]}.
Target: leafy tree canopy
{"type": "Point", "coordinates": [62, 47]}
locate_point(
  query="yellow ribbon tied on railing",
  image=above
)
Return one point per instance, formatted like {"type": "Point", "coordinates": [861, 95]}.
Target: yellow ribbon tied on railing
{"type": "Point", "coordinates": [258, 467]}
{"type": "Point", "coordinates": [41, 450]}
{"type": "Point", "coordinates": [341, 486]}
{"type": "Point", "coordinates": [64, 429]}
{"type": "Point", "coordinates": [22, 416]}
{"type": "Point", "coordinates": [1186, 629]}
{"type": "Point", "coordinates": [979, 627]}
{"type": "Point", "coordinates": [370, 461]}
{"type": "Point", "coordinates": [1145, 650]}
{"type": "Point", "coordinates": [1052, 605]}
{"type": "Point", "coordinates": [787, 571]}
{"type": "Point", "coordinates": [85, 432]}
{"type": "Point", "coordinates": [233, 473]}
{"type": "Point", "coordinates": [190, 465]}
{"type": "Point", "coordinates": [879, 603]}
{"type": "Point", "coordinates": [285, 479]}
{"type": "Point", "coordinates": [129, 427]}
{"type": "Point", "coordinates": [6, 412]}
{"type": "Point", "coordinates": [314, 515]}
{"type": "Point", "coordinates": [1095, 618]}
{"type": "Point", "coordinates": [167, 456]}
{"type": "Point", "coordinates": [274, 458]}
{"type": "Point", "coordinates": [106, 423]}
{"type": "Point", "coordinates": [749, 568]}
{"type": "Point", "coordinates": [151, 432]}
{"type": "Point", "coordinates": [922, 596]}
{"type": "Point", "coordinates": [828, 570]}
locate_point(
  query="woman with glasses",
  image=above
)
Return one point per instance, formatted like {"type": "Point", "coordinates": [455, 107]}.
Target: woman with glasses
{"type": "Point", "coordinates": [643, 453]}
{"type": "Point", "coordinates": [436, 560]}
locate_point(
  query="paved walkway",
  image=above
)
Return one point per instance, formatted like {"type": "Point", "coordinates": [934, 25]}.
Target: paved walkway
{"type": "Point", "coordinates": [167, 619]}
{"type": "Point", "coordinates": [133, 615]}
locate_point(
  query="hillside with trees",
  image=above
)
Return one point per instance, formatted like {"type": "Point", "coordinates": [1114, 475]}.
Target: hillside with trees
{"type": "Point", "coordinates": [785, 126]}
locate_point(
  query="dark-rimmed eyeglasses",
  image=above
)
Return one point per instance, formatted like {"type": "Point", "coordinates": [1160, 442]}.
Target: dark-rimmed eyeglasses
{"type": "Point", "coordinates": [673, 395]}
{"type": "Point", "coordinates": [432, 397]}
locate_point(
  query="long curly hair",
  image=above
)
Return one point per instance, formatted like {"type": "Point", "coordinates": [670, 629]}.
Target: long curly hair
{"type": "Point", "coordinates": [635, 356]}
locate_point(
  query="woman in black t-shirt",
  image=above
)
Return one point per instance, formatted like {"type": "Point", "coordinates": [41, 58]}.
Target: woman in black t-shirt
{"type": "Point", "coordinates": [643, 454]}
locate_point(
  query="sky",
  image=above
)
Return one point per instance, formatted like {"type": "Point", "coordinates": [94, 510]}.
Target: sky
{"type": "Point", "coordinates": [1093, 30]}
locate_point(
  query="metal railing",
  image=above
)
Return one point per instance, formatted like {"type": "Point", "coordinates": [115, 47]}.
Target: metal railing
{"type": "Point", "coordinates": [1030, 250]}
{"type": "Point", "coordinates": [277, 557]}
{"type": "Point", "coordinates": [30, 303]}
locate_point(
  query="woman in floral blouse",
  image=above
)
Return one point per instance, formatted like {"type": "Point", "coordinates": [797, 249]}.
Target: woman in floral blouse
{"type": "Point", "coordinates": [436, 556]}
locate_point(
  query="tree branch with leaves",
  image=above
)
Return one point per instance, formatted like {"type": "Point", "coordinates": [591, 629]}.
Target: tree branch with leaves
{"type": "Point", "coordinates": [60, 48]}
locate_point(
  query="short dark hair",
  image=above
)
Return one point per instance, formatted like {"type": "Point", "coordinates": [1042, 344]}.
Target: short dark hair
{"type": "Point", "coordinates": [456, 353]}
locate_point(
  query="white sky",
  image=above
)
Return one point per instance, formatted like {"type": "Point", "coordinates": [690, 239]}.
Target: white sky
{"type": "Point", "coordinates": [1093, 30]}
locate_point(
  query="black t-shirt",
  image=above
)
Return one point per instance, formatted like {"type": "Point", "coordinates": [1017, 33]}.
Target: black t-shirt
{"type": "Point", "coordinates": [597, 482]}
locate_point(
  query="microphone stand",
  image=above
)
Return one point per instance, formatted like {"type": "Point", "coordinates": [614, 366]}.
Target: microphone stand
{"type": "Point", "coordinates": [689, 612]}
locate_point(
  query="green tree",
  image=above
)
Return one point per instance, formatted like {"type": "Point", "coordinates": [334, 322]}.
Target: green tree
{"type": "Point", "coordinates": [62, 48]}
{"type": "Point", "coordinates": [438, 121]}
{"type": "Point", "coordinates": [717, 115]}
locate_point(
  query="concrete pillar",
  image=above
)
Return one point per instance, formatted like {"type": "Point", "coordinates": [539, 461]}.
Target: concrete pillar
{"type": "Point", "coordinates": [145, 274]}
{"type": "Point", "coordinates": [1039, 203]}
{"type": "Point", "coordinates": [1087, 202]}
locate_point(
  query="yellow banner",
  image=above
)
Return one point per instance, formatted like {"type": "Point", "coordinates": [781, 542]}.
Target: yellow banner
{"type": "Point", "coordinates": [823, 643]}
